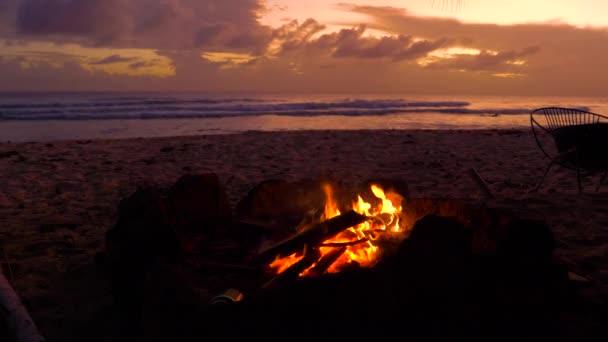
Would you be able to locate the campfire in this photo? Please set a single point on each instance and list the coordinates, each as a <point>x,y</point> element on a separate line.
<point>338,241</point>
<point>335,249</point>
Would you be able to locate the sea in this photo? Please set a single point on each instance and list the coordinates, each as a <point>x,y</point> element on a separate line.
<point>28,117</point>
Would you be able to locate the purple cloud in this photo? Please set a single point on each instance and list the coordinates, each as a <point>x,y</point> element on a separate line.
<point>157,24</point>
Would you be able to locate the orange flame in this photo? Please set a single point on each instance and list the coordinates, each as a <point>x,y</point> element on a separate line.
<point>282,264</point>
<point>363,249</point>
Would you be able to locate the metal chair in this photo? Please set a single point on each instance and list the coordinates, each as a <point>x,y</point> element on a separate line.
<point>581,139</point>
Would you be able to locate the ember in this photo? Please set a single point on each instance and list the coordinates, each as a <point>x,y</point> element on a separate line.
<point>358,244</point>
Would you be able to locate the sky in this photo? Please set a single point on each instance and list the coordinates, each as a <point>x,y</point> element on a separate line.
<point>516,47</point>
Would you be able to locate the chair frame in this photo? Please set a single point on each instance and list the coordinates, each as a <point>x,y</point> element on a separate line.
<point>559,117</point>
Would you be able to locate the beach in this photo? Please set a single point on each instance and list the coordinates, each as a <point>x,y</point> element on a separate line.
<point>58,198</point>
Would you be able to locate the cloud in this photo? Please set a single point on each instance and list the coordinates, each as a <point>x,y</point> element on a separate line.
<point>484,60</point>
<point>114,59</point>
<point>294,38</point>
<point>100,19</point>
<point>484,36</point>
<point>219,45</point>
<point>351,43</point>
<point>93,60</point>
<point>157,24</point>
<point>555,57</point>
<point>144,64</point>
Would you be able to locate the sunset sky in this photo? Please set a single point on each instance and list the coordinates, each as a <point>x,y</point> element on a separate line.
<point>519,47</point>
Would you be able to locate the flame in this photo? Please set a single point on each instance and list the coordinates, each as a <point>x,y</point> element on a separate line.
<point>282,264</point>
<point>362,248</point>
<point>331,207</point>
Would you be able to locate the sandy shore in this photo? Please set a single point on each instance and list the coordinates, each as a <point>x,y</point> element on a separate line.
<point>58,199</point>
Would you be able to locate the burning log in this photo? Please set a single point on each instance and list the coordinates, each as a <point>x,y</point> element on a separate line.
<point>312,236</point>
<point>311,255</point>
<point>344,244</point>
<point>327,260</point>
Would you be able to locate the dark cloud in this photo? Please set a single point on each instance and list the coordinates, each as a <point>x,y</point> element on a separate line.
<point>294,36</point>
<point>144,64</point>
<point>99,19</point>
<point>157,24</point>
<point>351,42</point>
<point>114,59</point>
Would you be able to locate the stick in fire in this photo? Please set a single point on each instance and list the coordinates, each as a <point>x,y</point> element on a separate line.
<point>312,236</point>
<point>311,255</point>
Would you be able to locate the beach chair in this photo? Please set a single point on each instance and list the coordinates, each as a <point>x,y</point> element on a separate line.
<point>580,137</point>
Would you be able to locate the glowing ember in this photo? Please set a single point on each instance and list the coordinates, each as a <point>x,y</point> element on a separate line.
<point>360,244</point>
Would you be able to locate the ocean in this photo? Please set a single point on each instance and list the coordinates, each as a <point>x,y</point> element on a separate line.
<point>69,116</point>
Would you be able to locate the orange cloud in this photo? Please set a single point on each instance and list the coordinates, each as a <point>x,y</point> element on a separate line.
<point>219,45</point>
<point>293,38</point>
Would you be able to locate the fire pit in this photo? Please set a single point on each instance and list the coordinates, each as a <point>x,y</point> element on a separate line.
<point>335,241</point>
<point>318,259</point>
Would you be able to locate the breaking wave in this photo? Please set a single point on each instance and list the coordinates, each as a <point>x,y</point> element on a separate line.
<point>75,108</point>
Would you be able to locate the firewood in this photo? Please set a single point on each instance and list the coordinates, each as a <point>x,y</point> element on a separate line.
<point>311,255</point>
<point>344,244</point>
<point>326,261</point>
<point>312,236</point>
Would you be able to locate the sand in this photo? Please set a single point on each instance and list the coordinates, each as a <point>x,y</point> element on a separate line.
<point>58,199</point>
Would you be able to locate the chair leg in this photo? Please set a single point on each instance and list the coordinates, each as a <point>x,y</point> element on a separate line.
<point>601,181</point>
<point>542,179</point>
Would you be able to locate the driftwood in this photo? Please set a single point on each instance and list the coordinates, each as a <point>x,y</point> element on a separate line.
<point>17,318</point>
<point>312,236</point>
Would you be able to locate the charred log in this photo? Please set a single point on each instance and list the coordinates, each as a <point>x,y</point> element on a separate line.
<point>312,236</point>
<point>327,260</point>
<point>344,244</point>
<point>311,255</point>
